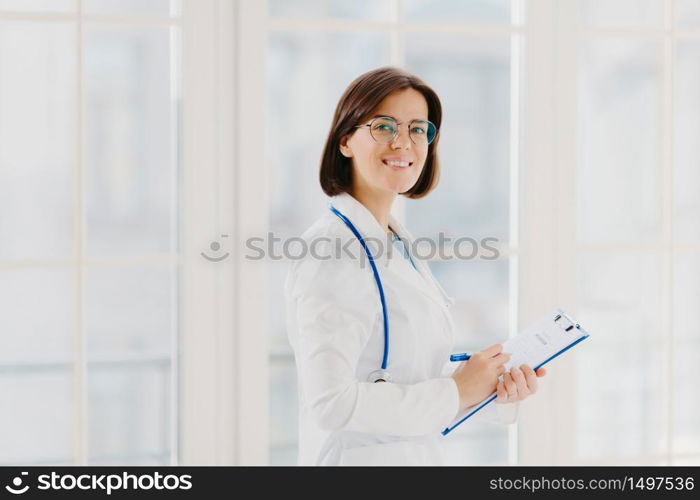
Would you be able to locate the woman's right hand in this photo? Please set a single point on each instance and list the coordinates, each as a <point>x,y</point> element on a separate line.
<point>477,378</point>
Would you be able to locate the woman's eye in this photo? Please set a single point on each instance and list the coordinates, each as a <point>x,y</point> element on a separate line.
<point>419,130</point>
<point>384,127</point>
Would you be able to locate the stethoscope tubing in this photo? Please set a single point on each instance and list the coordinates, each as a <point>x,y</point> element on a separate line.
<point>377,279</point>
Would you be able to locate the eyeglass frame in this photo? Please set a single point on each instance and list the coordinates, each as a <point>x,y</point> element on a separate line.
<point>397,129</point>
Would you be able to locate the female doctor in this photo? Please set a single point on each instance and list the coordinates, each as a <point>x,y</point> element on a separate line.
<point>369,324</point>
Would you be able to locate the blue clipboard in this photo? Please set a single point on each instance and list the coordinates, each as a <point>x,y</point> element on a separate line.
<point>558,328</point>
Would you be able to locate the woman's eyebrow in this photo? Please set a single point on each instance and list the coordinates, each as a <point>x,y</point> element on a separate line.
<point>396,120</point>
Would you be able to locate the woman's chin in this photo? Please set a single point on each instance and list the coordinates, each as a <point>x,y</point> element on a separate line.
<point>404,188</point>
<point>399,187</point>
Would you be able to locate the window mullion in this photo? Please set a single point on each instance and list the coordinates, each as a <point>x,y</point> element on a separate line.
<point>547,214</point>
<point>80,429</point>
<point>666,166</point>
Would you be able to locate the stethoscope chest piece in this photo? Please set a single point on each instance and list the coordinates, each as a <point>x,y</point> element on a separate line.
<point>379,376</point>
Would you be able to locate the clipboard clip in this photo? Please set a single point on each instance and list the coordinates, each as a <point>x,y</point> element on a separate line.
<point>565,323</point>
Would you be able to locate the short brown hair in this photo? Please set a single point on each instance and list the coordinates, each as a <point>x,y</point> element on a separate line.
<point>357,103</point>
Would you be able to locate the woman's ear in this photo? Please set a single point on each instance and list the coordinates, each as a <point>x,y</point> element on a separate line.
<point>345,150</point>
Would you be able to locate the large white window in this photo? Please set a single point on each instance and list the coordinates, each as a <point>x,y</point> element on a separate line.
<point>89,183</point>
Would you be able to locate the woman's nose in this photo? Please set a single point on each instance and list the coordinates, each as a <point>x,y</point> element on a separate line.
<point>402,139</point>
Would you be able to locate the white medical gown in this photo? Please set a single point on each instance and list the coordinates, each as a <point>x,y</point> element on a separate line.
<point>335,326</point>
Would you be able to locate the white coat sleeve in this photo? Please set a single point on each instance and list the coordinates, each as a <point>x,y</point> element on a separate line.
<point>498,413</point>
<point>336,306</point>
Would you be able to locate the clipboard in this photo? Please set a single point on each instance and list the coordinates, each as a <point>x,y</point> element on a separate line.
<point>535,346</point>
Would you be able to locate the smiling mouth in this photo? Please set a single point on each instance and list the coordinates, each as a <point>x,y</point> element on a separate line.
<point>397,164</point>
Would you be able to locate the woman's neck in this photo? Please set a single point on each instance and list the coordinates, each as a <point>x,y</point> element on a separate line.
<point>378,204</point>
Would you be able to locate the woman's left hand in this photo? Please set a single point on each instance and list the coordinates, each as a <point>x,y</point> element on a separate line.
<point>518,383</point>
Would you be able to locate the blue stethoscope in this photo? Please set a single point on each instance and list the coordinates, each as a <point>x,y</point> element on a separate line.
<point>381,375</point>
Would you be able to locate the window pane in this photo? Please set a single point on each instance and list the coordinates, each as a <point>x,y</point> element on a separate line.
<point>36,415</point>
<point>618,149</point>
<point>38,5</point>
<point>622,13</point>
<point>306,75</point>
<point>622,418</point>
<point>686,295</point>
<point>687,14</point>
<point>129,415</point>
<point>620,295</point>
<point>469,11</point>
<point>687,147</point>
<point>472,79</point>
<point>480,312</point>
<point>129,311</point>
<point>133,7</point>
<point>620,305</point>
<point>686,355</point>
<point>376,10</point>
<point>38,316</point>
<point>279,342</point>
<point>284,411</point>
<point>37,139</point>
<point>130,124</point>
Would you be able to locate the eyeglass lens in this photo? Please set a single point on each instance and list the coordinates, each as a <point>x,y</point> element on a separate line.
<point>384,129</point>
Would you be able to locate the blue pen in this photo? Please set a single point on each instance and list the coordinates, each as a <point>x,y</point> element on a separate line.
<point>463,356</point>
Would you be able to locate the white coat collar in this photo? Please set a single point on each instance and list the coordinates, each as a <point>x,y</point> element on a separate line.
<point>360,216</point>
<point>368,226</point>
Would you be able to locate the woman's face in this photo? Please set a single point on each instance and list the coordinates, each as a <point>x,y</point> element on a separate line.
<point>371,172</point>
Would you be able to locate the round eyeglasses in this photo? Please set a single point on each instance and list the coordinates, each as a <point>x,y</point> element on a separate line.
<point>384,129</point>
